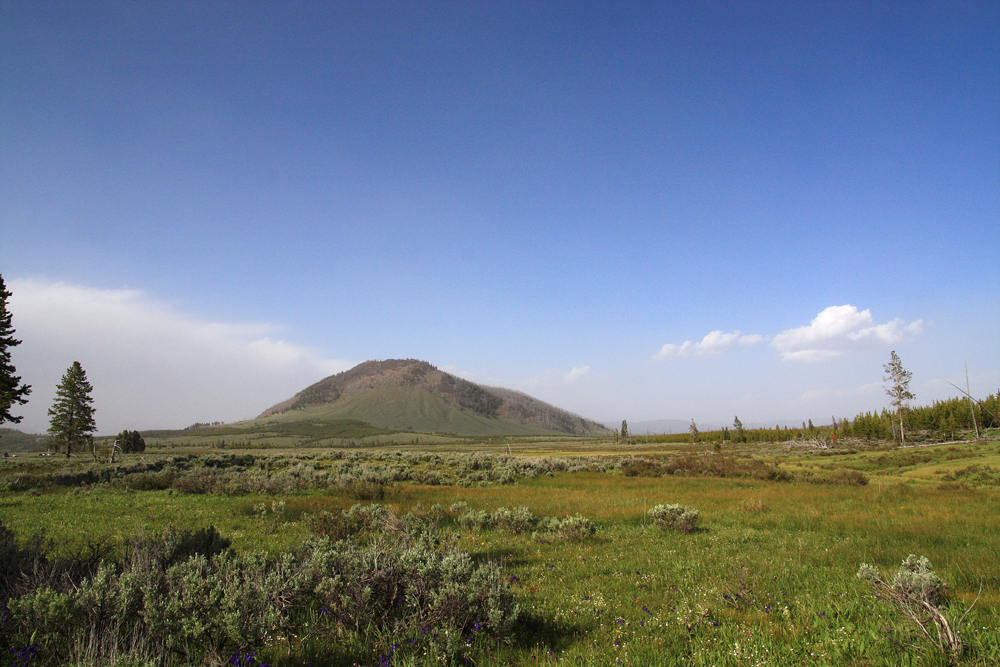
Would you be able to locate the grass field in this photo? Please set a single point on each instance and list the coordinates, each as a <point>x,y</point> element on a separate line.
<point>768,578</point>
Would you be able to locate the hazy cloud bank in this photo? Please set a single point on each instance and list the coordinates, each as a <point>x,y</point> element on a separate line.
<point>555,376</point>
<point>150,365</point>
<point>834,333</point>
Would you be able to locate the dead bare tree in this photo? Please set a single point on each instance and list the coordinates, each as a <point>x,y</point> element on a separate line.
<point>115,448</point>
<point>968,396</point>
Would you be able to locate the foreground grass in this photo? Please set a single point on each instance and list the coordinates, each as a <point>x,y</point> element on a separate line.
<point>768,579</point>
<point>774,585</point>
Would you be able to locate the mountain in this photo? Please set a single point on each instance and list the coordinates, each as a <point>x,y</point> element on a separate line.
<point>412,395</point>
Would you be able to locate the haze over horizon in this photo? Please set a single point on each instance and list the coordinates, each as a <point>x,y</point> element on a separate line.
<point>632,211</point>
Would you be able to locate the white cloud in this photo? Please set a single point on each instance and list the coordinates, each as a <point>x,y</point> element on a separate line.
<point>576,374</point>
<point>832,334</point>
<point>150,365</point>
<point>710,346</point>
<point>752,339</point>
<point>839,330</point>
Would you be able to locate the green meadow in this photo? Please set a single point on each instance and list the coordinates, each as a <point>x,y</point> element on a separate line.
<point>768,577</point>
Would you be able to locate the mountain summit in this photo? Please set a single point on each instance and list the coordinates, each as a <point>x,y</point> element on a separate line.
<point>412,395</point>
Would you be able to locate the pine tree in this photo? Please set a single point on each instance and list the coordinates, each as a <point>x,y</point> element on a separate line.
<point>131,442</point>
<point>624,432</point>
<point>897,386</point>
<point>72,416</point>
<point>10,392</point>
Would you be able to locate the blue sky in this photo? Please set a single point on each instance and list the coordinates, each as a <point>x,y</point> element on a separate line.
<point>631,210</point>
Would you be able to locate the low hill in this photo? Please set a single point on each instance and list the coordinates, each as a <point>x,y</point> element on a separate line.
<point>412,395</point>
<point>14,441</point>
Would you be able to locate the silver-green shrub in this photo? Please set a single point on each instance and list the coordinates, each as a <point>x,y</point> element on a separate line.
<point>919,593</point>
<point>573,528</point>
<point>475,520</point>
<point>517,520</point>
<point>356,523</point>
<point>400,590</point>
<point>576,528</point>
<point>674,517</point>
<point>914,584</point>
<point>188,600</point>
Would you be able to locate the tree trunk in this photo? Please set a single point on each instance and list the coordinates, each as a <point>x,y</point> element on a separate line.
<point>972,408</point>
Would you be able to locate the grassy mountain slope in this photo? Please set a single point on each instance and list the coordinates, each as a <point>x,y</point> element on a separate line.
<point>14,441</point>
<point>412,395</point>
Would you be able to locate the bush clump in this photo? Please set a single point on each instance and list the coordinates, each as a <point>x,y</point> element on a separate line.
<point>636,467</point>
<point>849,477</point>
<point>919,593</point>
<point>520,520</point>
<point>515,521</point>
<point>356,523</point>
<point>843,477</point>
<point>185,598</point>
<point>411,588</point>
<point>674,517</point>
<point>574,528</point>
<point>474,520</point>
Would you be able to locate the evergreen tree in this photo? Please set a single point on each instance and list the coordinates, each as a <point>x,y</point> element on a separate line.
<point>624,433</point>
<point>897,386</point>
<point>10,392</point>
<point>72,416</point>
<point>694,431</point>
<point>941,423</point>
<point>131,442</point>
<point>738,426</point>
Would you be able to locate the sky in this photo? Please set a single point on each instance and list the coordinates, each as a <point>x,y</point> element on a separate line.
<point>630,210</point>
